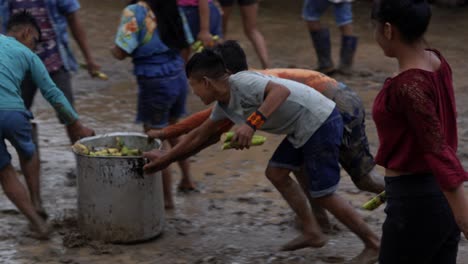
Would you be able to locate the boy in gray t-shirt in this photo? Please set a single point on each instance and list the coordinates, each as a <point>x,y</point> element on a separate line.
<point>309,120</point>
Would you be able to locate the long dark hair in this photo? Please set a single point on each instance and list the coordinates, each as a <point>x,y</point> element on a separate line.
<point>171,29</point>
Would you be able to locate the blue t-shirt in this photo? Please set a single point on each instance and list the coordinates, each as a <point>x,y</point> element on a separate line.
<point>16,60</point>
<point>138,35</point>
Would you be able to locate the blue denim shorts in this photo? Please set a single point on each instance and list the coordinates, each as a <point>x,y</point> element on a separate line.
<point>16,128</point>
<point>161,99</point>
<point>314,9</point>
<point>319,156</point>
<point>193,19</point>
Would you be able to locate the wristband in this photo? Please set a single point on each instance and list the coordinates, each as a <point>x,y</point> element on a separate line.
<point>256,120</point>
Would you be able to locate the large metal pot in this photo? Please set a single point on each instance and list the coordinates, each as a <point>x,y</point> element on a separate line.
<point>116,201</point>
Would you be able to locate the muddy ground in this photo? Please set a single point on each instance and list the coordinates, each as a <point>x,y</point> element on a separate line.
<point>237,217</point>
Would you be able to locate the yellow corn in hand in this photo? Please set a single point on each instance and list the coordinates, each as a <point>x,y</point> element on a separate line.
<point>375,202</point>
<point>257,140</point>
<point>197,46</point>
<point>96,74</point>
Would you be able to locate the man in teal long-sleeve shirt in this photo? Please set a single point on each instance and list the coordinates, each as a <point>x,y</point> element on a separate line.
<point>16,60</point>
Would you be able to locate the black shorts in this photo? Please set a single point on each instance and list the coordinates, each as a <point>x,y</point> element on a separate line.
<point>420,227</point>
<point>239,2</point>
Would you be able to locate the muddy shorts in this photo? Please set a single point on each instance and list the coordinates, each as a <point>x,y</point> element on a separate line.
<point>239,2</point>
<point>314,9</point>
<point>61,78</point>
<point>355,156</point>
<point>16,128</point>
<point>193,18</point>
<point>419,227</point>
<point>319,156</point>
<point>161,99</point>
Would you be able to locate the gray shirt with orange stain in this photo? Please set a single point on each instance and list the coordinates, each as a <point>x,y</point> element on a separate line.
<point>303,112</point>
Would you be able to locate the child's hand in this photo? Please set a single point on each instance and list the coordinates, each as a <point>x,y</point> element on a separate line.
<point>156,134</point>
<point>206,38</point>
<point>156,163</point>
<point>76,131</point>
<point>93,68</point>
<point>243,137</point>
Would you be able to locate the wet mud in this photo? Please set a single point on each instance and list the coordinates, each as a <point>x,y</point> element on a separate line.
<point>237,217</point>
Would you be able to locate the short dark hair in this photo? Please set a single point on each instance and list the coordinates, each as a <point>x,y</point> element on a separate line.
<point>206,63</point>
<point>411,17</point>
<point>233,56</point>
<point>23,18</point>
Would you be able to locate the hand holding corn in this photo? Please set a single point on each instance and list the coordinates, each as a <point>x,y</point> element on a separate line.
<point>226,138</point>
<point>95,73</point>
<point>198,46</point>
<point>375,202</point>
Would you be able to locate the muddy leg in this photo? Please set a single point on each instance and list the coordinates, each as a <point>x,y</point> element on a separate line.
<point>319,212</point>
<point>346,214</point>
<point>291,191</point>
<point>18,195</point>
<point>167,184</point>
<point>31,171</point>
<point>186,183</point>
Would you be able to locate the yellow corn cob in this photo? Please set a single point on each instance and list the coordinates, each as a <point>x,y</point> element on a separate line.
<point>375,202</point>
<point>197,46</point>
<point>226,137</point>
<point>96,74</point>
<point>256,141</point>
<point>80,149</point>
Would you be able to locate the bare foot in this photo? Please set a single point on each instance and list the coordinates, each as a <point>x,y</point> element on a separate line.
<point>367,256</point>
<point>187,187</point>
<point>325,225</point>
<point>41,212</point>
<point>41,231</point>
<point>303,241</point>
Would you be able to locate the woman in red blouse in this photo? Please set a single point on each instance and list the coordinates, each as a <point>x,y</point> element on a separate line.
<point>415,116</point>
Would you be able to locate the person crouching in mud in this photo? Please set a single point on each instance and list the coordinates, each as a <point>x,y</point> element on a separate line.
<point>313,127</point>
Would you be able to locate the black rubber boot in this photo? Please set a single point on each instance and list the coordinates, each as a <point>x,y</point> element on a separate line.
<point>348,48</point>
<point>322,44</point>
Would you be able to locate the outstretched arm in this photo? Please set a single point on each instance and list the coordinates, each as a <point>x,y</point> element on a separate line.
<point>190,143</point>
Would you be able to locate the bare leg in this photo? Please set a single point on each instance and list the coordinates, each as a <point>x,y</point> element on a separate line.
<point>314,25</point>
<point>341,209</point>
<point>318,211</point>
<point>31,171</point>
<point>347,30</point>
<point>18,195</point>
<point>249,20</point>
<point>227,10</point>
<point>167,184</point>
<point>186,183</point>
<point>291,191</point>
<point>166,179</point>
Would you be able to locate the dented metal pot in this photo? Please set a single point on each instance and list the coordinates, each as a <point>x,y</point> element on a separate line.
<point>117,202</point>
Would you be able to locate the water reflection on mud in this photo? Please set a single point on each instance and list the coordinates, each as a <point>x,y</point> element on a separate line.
<point>238,217</point>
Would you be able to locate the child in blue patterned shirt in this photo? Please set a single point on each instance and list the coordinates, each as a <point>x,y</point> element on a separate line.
<point>155,45</point>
